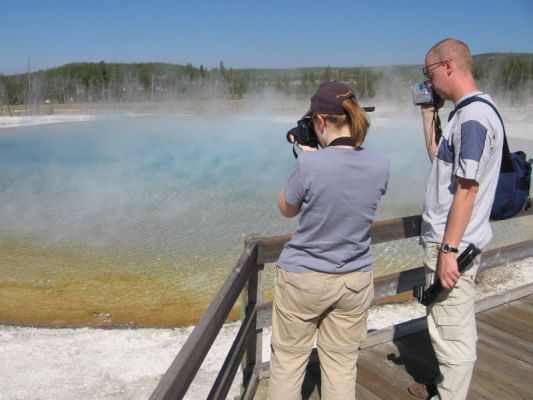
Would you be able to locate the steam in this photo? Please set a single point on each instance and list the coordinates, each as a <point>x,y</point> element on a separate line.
<point>160,182</point>
<point>180,185</point>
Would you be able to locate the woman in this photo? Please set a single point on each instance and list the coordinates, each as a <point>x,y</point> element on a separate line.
<point>324,282</point>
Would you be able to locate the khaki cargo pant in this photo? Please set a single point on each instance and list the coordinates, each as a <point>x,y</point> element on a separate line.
<point>332,307</point>
<point>452,328</point>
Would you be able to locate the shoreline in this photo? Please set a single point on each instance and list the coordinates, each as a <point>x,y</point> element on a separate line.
<point>517,119</point>
<point>48,113</point>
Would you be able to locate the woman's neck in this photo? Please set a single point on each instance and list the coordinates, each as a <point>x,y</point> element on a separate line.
<point>333,133</point>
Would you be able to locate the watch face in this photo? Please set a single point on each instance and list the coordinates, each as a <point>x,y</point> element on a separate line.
<point>446,248</point>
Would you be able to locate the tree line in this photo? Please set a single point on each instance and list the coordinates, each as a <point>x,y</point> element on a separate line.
<point>509,74</point>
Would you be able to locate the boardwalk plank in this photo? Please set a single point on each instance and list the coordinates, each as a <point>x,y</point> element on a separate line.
<point>527,300</point>
<point>505,377</point>
<point>382,359</point>
<point>525,309</point>
<point>521,315</point>
<point>506,324</point>
<point>516,371</point>
<point>375,383</point>
<point>483,387</point>
<point>517,347</point>
<point>363,393</point>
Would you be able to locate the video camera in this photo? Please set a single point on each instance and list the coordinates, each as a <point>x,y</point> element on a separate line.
<point>423,95</point>
<point>428,296</point>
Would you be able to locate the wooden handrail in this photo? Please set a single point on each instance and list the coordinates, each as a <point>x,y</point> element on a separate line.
<point>382,231</point>
<point>399,282</point>
<point>180,374</point>
<point>261,250</point>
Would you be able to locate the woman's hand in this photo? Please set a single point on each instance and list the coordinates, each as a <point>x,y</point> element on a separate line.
<point>287,210</point>
<point>302,147</point>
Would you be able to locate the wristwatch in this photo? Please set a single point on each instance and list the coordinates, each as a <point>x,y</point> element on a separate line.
<point>446,248</point>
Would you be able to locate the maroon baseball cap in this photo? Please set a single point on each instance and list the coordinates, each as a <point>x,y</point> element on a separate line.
<point>329,97</point>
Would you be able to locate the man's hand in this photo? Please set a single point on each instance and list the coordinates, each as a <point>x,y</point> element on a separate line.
<point>447,270</point>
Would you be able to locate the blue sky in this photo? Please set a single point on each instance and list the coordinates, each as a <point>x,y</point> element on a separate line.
<point>248,33</point>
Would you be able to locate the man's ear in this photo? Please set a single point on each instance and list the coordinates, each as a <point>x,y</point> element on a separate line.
<point>449,67</point>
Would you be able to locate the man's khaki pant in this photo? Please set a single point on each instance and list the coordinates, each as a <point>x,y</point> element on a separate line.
<point>332,306</point>
<point>452,328</point>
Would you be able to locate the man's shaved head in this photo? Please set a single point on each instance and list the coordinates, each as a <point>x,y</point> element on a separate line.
<point>455,50</point>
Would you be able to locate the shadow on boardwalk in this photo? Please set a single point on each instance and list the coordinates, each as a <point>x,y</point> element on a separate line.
<point>503,370</point>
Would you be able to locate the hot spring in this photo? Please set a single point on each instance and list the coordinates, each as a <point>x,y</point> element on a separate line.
<point>138,220</point>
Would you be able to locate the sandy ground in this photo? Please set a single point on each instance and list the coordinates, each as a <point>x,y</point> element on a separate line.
<point>518,121</point>
<point>16,121</point>
<point>89,363</point>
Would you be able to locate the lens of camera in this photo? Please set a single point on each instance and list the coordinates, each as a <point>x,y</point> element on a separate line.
<point>291,135</point>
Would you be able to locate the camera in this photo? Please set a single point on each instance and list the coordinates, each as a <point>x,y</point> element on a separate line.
<point>304,133</point>
<point>422,94</point>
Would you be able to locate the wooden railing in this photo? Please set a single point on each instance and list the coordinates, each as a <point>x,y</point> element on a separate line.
<point>246,279</point>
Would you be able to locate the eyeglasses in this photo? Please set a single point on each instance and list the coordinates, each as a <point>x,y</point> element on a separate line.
<point>427,71</point>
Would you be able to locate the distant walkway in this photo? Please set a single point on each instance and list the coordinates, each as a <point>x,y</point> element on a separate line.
<point>504,369</point>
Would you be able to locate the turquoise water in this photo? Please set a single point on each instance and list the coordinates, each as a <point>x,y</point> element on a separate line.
<point>166,184</point>
<point>139,217</point>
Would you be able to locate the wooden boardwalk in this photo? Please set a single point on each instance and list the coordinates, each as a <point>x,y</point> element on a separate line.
<point>504,369</point>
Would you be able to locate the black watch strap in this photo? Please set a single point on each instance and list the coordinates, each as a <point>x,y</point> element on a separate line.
<point>446,248</point>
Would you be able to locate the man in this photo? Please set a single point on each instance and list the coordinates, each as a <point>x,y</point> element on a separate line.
<point>465,168</point>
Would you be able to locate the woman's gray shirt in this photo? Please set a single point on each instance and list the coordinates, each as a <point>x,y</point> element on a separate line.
<point>338,189</point>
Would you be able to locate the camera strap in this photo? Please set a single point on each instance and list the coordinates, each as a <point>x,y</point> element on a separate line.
<point>437,125</point>
<point>341,141</point>
<point>294,150</point>
<point>507,164</point>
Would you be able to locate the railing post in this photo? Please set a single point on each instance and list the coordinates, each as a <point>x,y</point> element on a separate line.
<point>251,296</point>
